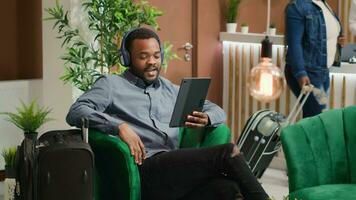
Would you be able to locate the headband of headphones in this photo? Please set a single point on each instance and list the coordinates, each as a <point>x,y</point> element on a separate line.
<point>125,54</point>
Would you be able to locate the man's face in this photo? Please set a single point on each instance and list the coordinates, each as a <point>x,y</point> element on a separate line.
<point>146,59</point>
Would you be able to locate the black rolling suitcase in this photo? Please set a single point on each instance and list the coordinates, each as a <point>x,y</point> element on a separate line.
<point>65,165</point>
<point>260,138</point>
<point>57,166</point>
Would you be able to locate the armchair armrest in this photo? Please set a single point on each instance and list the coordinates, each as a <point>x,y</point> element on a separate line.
<point>117,175</point>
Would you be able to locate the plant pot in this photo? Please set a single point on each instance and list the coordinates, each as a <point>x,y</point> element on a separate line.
<point>2,175</point>
<point>272,31</point>
<point>31,135</point>
<point>9,188</point>
<point>231,27</point>
<point>244,29</point>
<point>10,172</point>
<point>30,143</point>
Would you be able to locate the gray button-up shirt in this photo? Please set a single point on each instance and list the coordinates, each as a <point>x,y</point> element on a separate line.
<point>115,99</point>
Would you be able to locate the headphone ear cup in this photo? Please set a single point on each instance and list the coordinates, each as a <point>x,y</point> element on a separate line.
<point>121,59</point>
<point>124,54</point>
<point>124,58</point>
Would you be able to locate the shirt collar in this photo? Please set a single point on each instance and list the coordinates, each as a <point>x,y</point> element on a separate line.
<point>138,81</point>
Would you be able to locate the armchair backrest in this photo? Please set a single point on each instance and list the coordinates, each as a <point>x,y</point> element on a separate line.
<point>350,137</point>
<point>319,149</point>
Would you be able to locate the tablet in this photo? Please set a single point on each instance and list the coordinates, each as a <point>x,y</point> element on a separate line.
<point>191,97</point>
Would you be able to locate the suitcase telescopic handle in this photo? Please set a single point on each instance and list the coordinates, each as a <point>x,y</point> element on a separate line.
<point>85,129</point>
<point>302,98</point>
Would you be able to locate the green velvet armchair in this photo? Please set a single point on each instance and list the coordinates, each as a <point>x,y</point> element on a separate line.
<point>321,156</point>
<point>117,175</point>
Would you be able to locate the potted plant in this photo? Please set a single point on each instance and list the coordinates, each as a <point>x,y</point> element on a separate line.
<point>29,118</point>
<point>244,28</point>
<point>231,12</point>
<point>272,29</point>
<point>9,156</point>
<point>106,21</point>
<point>9,182</point>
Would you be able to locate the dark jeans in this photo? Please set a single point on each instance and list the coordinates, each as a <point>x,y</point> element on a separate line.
<point>311,106</point>
<point>204,173</point>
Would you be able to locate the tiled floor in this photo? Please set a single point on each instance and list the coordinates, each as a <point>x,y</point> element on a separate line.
<point>275,182</point>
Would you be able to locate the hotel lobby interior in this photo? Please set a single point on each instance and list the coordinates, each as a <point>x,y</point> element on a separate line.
<point>50,58</point>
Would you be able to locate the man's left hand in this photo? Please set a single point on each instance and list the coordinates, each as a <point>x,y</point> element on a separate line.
<point>197,120</point>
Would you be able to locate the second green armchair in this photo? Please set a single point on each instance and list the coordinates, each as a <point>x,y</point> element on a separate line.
<point>117,175</point>
<point>321,156</point>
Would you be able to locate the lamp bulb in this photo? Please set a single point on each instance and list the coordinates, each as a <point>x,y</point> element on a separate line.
<point>266,81</point>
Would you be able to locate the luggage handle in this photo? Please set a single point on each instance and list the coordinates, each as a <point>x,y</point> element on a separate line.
<point>85,129</point>
<point>302,98</point>
<point>270,153</point>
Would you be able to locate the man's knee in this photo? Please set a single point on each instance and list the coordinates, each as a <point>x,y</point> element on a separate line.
<point>235,152</point>
<point>231,149</point>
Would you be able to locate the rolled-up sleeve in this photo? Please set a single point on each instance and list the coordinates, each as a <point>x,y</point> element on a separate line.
<point>216,114</point>
<point>92,105</point>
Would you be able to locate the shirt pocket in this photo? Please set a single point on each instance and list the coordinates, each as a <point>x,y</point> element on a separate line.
<point>311,26</point>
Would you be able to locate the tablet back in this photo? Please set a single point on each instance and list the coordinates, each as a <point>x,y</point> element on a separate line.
<point>191,97</point>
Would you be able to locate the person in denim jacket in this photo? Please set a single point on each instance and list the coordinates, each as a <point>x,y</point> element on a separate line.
<point>313,33</point>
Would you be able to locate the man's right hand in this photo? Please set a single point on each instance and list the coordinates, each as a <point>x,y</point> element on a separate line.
<point>303,81</point>
<point>128,135</point>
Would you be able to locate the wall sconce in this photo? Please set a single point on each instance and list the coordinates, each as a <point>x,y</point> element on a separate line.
<point>266,80</point>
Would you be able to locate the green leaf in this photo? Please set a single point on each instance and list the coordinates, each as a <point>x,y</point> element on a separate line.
<point>168,54</point>
<point>28,117</point>
<point>9,155</point>
<point>232,10</point>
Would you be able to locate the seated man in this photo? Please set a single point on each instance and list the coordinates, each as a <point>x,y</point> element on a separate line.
<point>137,105</point>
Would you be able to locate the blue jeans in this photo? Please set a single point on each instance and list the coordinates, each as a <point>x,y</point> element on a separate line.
<point>311,106</point>
<point>208,173</point>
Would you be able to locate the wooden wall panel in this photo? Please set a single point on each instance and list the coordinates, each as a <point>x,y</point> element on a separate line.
<point>8,40</point>
<point>21,39</point>
<point>29,26</point>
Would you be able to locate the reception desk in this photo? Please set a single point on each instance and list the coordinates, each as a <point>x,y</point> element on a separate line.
<point>342,85</point>
<point>242,51</point>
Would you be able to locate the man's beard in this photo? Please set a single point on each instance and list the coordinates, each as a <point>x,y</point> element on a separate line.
<point>141,74</point>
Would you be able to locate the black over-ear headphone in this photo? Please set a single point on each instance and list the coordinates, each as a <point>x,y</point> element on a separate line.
<point>125,54</point>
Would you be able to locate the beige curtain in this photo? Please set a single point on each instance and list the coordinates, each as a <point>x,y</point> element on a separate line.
<point>344,10</point>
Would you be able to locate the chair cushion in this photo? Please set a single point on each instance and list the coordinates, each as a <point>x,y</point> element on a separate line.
<point>323,192</point>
